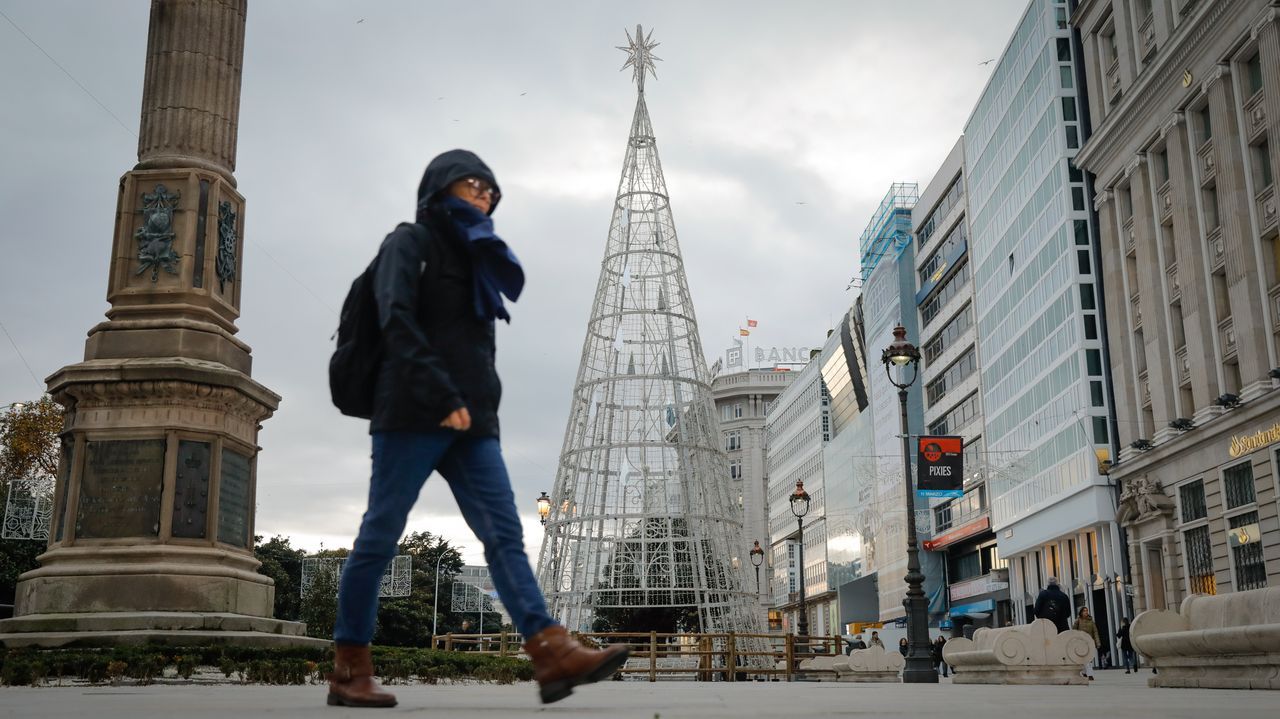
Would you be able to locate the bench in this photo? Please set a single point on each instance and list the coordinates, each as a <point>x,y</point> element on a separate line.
<point>1229,641</point>
<point>872,664</point>
<point>1034,653</point>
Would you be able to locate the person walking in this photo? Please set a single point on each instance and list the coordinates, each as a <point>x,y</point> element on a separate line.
<point>1126,647</point>
<point>903,647</point>
<point>939,664</point>
<point>875,640</point>
<point>1054,604</point>
<point>1085,623</point>
<point>436,287</point>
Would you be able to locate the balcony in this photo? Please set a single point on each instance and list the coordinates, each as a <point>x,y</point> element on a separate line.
<point>1175,290</point>
<point>1183,364</point>
<point>1208,164</point>
<point>1227,336</point>
<point>1267,208</point>
<point>1147,37</point>
<point>1255,115</point>
<point>1217,252</point>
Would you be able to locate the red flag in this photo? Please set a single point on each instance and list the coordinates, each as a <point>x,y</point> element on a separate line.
<point>752,323</point>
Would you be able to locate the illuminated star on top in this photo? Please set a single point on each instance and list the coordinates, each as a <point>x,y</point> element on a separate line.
<point>640,55</point>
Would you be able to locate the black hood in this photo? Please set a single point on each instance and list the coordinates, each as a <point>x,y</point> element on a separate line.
<point>449,167</point>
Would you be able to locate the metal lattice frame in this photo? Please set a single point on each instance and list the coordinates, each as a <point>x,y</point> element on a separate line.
<point>641,512</point>
<point>467,597</point>
<point>397,581</point>
<point>28,509</point>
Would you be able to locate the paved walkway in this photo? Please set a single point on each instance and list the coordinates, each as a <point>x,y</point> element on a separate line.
<point>1114,696</point>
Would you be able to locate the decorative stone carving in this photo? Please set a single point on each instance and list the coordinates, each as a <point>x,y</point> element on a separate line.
<point>872,664</point>
<point>155,237</point>
<point>825,665</point>
<point>1142,498</point>
<point>1034,653</point>
<point>227,240</point>
<point>1228,641</point>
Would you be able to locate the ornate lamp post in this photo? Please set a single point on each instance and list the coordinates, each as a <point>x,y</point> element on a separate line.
<point>919,668</point>
<point>800,507</point>
<point>544,507</point>
<point>757,558</point>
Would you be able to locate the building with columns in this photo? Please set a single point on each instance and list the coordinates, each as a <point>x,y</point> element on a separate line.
<point>1184,97</point>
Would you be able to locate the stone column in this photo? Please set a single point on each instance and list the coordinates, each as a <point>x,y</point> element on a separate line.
<point>1151,265</point>
<point>1138,578</point>
<point>1123,366</point>
<point>153,523</point>
<point>1172,585</point>
<point>1199,327</point>
<point>1248,323</point>
<point>191,90</point>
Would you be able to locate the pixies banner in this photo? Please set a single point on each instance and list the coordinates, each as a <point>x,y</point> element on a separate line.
<point>940,467</point>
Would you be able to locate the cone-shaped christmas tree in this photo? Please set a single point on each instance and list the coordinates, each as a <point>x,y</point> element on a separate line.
<point>642,530</point>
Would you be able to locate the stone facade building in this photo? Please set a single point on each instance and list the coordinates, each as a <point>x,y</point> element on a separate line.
<point>1184,97</point>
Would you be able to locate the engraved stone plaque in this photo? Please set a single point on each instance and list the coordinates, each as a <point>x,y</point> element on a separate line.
<point>191,490</point>
<point>120,489</point>
<point>233,499</point>
<point>68,454</point>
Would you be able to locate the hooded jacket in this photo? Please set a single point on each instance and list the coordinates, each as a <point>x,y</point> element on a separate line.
<point>437,356</point>
<point>1053,604</point>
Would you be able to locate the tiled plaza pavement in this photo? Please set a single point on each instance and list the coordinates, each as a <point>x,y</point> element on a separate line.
<point>1113,696</point>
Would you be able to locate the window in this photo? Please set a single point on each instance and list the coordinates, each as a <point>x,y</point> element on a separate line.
<point>1237,485</point>
<point>1262,175</point>
<point>949,200</point>
<point>1073,137</point>
<point>735,469</point>
<point>1082,260</point>
<point>1064,73</point>
<point>1064,50</point>
<point>936,264</point>
<point>1099,430</point>
<point>1251,571</point>
<point>1162,167</point>
<point>958,417</point>
<point>1095,394</point>
<point>1093,358</point>
<point>1073,173</point>
<point>737,410</point>
<point>1191,495</point>
<point>959,370</point>
<point>1087,301</point>
<point>1198,554</point>
<point>733,440</point>
<point>1090,327</point>
<point>1253,74</point>
<point>1077,199</point>
<point>942,517</point>
<point>1211,220</point>
<point>1081,228</point>
<point>943,295</point>
<point>947,337</point>
<point>1205,124</point>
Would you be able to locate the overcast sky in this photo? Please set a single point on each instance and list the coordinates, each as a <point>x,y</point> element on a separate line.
<point>758,107</point>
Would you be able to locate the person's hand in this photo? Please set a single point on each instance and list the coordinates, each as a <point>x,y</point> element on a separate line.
<point>459,419</point>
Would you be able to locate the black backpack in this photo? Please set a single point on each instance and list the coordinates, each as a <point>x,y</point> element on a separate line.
<point>353,368</point>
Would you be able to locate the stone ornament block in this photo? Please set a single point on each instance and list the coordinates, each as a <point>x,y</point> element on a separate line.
<point>1230,641</point>
<point>1034,653</point>
<point>821,667</point>
<point>872,664</point>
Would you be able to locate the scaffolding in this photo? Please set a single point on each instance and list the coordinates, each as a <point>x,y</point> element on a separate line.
<point>889,230</point>
<point>641,516</point>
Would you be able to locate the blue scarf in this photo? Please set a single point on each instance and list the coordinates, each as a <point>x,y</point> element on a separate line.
<point>494,267</point>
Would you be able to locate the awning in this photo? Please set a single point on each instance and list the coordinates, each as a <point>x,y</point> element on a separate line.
<point>986,606</point>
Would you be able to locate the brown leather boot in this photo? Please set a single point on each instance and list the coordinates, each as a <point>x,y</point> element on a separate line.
<point>561,663</point>
<point>352,684</point>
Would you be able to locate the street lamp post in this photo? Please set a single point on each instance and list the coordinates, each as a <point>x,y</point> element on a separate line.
<point>800,507</point>
<point>544,507</point>
<point>757,558</point>
<point>919,666</point>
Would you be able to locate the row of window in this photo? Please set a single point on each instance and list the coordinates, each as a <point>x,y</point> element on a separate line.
<point>957,372</point>
<point>940,298</point>
<point>948,335</point>
<point>958,417</point>
<point>959,512</point>
<point>936,262</point>
<point>1238,492</point>
<point>953,196</point>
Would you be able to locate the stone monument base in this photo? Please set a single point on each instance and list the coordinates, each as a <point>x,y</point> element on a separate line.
<point>185,629</point>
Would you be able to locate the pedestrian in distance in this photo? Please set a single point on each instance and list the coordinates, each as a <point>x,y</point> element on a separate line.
<point>1054,604</point>
<point>1085,623</point>
<point>415,356</point>
<point>875,640</point>
<point>903,647</point>
<point>939,665</point>
<point>1126,647</point>
<point>858,643</point>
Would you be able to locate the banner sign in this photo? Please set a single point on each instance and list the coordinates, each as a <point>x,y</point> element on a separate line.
<point>941,470</point>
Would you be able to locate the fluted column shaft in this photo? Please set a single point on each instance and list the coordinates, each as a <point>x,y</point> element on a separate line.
<point>191,90</point>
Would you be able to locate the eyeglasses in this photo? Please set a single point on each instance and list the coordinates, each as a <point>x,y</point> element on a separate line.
<point>480,187</point>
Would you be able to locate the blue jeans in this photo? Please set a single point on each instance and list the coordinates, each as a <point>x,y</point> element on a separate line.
<point>476,473</point>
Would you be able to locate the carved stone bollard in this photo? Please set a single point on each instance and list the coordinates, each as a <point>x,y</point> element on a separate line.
<point>1034,653</point>
<point>872,664</point>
